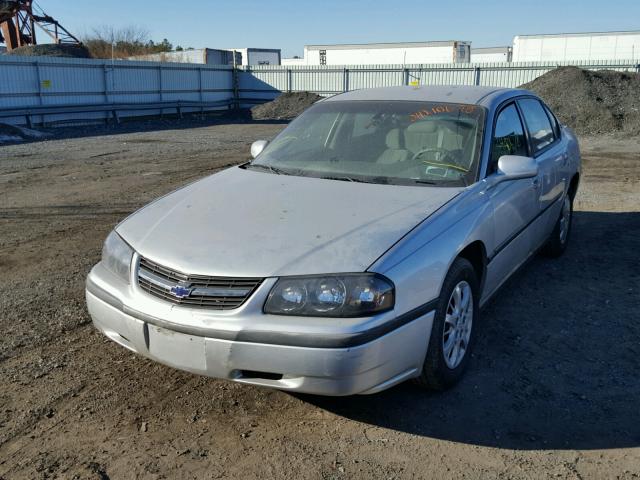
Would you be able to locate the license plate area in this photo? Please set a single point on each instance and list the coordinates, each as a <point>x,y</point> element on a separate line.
<point>177,349</point>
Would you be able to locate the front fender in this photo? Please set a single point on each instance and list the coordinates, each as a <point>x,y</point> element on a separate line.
<point>420,262</point>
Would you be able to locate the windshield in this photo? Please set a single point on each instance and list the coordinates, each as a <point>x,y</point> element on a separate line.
<point>395,142</point>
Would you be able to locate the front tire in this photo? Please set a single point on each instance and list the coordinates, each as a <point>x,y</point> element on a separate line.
<point>454,328</point>
<point>559,239</point>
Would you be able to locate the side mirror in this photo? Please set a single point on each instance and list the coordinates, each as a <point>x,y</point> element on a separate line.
<point>514,167</point>
<point>257,147</point>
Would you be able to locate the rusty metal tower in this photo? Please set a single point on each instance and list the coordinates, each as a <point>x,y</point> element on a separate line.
<point>18,22</point>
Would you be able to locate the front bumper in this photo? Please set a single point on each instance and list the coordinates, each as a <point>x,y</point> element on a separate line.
<point>224,345</point>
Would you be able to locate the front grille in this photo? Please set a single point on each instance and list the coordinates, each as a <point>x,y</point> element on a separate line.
<point>218,293</point>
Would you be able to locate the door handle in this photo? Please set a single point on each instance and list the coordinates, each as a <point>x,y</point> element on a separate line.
<point>562,158</point>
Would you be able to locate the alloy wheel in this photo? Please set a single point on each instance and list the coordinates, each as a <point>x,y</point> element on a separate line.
<point>565,219</point>
<point>457,325</point>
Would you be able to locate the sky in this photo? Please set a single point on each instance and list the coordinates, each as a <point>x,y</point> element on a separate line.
<point>290,25</point>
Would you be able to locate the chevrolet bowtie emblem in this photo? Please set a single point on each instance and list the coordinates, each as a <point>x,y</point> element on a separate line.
<point>182,290</point>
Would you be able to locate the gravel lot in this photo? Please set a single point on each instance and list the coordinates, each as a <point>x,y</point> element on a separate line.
<point>553,389</point>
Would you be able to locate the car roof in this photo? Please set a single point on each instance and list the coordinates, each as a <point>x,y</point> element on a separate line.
<point>467,94</point>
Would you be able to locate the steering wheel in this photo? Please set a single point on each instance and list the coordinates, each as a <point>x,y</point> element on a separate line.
<point>444,154</point>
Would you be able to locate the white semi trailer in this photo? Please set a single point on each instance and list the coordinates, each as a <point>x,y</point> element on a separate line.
<point>212,56</point>
<point>259,56</point>
<point>491,54</point>
<point>453,51</point>
<point>577,46</point>
<point>206,56</point>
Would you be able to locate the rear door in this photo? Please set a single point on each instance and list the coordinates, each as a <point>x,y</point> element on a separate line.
<point>515,202</point>
<point>549,153</point>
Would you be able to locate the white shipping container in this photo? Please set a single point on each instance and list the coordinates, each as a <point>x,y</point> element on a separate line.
<point>203,56</point>
<point>259,56</point>
<point>491,55</point>
<point>388,53</point>
<point>292,61</point>
<point>577,46</point>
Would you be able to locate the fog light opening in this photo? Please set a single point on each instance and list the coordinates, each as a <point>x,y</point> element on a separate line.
<point>252,374</point>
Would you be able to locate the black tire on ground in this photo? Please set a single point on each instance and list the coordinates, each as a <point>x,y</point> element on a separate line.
<point>436,374</point>
<point>557,243</point>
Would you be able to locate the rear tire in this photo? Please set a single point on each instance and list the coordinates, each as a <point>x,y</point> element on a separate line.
<point>559,239</point>
<point>454,329</point>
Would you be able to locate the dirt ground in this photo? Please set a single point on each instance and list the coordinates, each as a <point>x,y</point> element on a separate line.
<point>552,390</point>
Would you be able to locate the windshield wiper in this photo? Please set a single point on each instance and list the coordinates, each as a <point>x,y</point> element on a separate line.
<point>346,178</point>
<point>447,183</point>
<point>343,179</point>
<point>425,182</point>
<point>270,168</point>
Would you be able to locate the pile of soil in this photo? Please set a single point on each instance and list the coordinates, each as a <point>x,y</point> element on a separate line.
<point>286,107</point>
<point>592,102</point>
<point>52,50</point>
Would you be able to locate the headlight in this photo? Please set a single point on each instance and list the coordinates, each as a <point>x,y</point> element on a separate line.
<point>350,295</point>
<point>116,256</point>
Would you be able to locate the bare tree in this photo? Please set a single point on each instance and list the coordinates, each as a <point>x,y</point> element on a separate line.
<point>105,41</point>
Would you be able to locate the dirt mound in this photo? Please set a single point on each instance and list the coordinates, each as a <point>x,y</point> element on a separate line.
<point>286,107</point>
<point>592,102</point>
<point>52,50</point>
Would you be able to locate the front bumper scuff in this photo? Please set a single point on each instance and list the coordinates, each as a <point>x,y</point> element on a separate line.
<point>383,359</point>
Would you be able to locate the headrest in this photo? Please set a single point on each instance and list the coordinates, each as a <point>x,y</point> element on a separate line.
<point>424,126</point>
<point>393,139</point>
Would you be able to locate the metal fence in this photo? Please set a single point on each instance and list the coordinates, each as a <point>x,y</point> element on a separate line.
<point>266,82</point>
<point>45,89</point>
<point>38,83</point>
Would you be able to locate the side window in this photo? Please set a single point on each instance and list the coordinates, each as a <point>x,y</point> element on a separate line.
<point>508,137</point>
<point>538,124</point>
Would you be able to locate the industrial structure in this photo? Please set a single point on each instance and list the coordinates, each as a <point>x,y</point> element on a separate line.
<point>577,46</point>
<point>453,51</point>
<point>18,22</point>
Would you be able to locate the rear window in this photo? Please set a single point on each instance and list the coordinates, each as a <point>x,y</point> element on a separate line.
<point>538,124</point>
<point>554,121</point>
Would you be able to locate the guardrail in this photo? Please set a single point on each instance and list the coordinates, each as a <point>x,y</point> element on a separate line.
<point>112,109</point>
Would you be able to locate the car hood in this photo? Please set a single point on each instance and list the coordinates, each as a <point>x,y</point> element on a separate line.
<point>257,224</point>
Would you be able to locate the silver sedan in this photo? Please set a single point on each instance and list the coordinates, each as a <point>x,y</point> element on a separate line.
<point>354,252</point>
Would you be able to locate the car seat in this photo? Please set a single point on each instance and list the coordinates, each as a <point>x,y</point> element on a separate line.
<point>395,151</point>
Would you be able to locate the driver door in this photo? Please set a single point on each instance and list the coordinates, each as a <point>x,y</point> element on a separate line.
<point>515,202</point>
